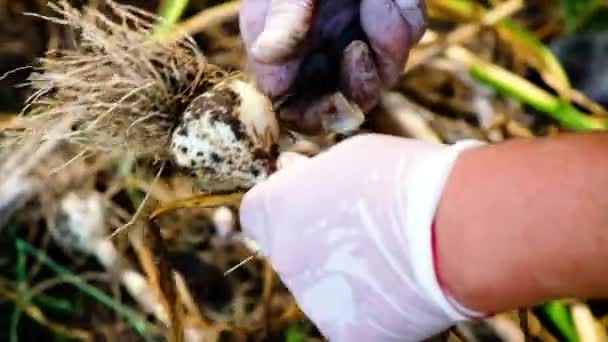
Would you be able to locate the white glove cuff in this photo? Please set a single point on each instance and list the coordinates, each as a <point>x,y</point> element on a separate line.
<point>425,184</point>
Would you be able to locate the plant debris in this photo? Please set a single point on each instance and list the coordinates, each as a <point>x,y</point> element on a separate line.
<point>124,90</point>
<point>122,175</point>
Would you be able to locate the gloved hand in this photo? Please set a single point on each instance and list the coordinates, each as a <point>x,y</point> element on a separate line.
<point>278,34</point>
<point>349,233</point>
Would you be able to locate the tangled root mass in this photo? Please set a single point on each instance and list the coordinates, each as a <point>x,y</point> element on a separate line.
<point>123,89</point>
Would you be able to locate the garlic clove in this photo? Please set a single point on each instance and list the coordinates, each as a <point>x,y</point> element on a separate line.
<point>256,111</point>
<point>345,119</point>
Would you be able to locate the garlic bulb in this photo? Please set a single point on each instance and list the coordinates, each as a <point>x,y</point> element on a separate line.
<point>227,138</point>
<point>80,226</point>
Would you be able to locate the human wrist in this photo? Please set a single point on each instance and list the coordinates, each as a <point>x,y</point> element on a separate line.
<point>492,230</point>
<point>425,183</point>
<point>450,267</point>
<point>482,238</point>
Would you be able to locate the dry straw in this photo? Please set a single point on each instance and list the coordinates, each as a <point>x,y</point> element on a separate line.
<point>124,90</point>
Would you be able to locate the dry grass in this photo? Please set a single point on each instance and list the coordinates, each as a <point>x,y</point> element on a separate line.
<point>123,89</point>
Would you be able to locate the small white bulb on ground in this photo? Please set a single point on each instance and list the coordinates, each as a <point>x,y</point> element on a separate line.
<point>81,226</point>
<point>138,287</point>
<point>227,138</point>
<point>224,222</point>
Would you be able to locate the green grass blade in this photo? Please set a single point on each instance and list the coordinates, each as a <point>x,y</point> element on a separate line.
<point>21,292</point>
<point>133,318</point>
<point>458,9</point>
<point>559,314</point>
<point>171,11</point>
<point>59,304</point>
<point>577,13</point>
<point>15,318</point>
<point>537,54</point>
<point>297,333</point>
<point>521,89</point>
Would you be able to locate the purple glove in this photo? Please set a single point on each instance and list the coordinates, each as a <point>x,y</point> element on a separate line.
<point>349,233</point>
<point>278,34</point>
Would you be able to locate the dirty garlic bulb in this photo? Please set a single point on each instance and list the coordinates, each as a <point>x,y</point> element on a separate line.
<point>227,138</point>
<point>80,226</point>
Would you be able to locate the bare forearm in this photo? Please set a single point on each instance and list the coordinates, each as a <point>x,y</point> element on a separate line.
<point>526,221</point>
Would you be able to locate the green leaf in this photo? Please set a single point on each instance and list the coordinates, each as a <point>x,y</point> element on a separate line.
<point>530,48</point>
<point>133,318</point>
<point>523,90</point>
<point>171,11</point>
<point>59,304</point>
<point>578,14</point>
<point>559,314</point>
<point>297,333</point>
<point>534,51</point>
<point>21,291</point>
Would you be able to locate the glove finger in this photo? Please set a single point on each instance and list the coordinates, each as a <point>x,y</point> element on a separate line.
<point>414,14</point>
<point>272,79</point>
<point>258,203</point>
<point>279,211</point>
<point>389,38</point>
<point>253,215</point>
<point>288,23</point>
<point>359,77</point>
<point>290,159</point>
<point>252,16</point>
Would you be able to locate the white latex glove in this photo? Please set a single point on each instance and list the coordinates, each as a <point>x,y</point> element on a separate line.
<point>349,233</point>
